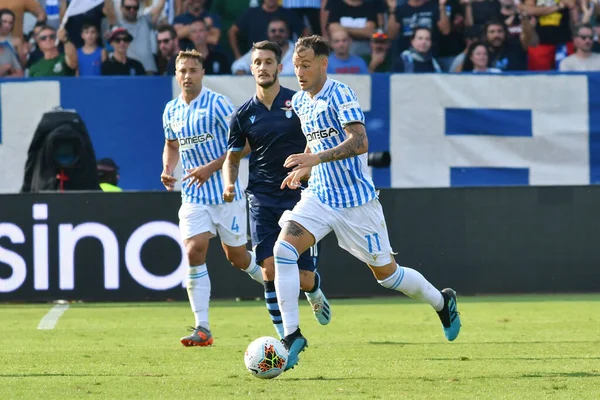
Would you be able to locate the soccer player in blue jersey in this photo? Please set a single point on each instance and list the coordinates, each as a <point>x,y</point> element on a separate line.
<point>340,197</point>
<point>195,125</point>
<point>267,123</point>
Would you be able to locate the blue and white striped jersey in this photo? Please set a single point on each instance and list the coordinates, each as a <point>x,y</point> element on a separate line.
<point>201,128</point>
<point>343,183</point>
<point>302,3</point>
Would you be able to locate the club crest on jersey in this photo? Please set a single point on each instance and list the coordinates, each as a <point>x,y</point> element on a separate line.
<point>177,126</point>
<point>322,134</point>
<point>287,109</point>
<point>199,114</point>
<point>188,143</point>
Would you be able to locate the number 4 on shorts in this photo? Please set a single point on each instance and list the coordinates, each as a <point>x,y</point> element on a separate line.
<point>234,226</point>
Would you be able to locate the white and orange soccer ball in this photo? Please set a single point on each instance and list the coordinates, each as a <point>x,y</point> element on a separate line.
<point>266,357</point>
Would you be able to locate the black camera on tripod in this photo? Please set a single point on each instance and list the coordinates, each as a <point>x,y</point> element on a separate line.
<point>60,156</point>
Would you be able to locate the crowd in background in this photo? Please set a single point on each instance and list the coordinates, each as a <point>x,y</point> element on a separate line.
<point>143,37</point>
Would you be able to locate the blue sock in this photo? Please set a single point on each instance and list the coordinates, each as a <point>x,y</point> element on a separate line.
<point>273,307</point>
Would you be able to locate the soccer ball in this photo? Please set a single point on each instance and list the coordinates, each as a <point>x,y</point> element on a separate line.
<point>266,357</point>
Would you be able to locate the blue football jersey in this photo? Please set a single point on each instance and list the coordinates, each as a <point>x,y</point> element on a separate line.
<point>201,131</point>
<point>342,183</point>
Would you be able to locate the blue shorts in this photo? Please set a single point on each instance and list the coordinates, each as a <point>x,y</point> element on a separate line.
<point>264,229</point>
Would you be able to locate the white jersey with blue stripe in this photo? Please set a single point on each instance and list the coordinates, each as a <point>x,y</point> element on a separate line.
<point>201,129</point>
<point>342,183</point>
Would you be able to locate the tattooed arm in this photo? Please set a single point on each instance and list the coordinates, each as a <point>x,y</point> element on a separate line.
<point>355,144</point>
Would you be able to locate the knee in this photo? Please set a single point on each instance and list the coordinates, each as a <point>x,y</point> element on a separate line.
<point>285,254</point>
<point>196,253</point>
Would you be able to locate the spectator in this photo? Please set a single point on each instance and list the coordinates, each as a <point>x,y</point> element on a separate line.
<point>460,16</point>
<point>10,67</point>
<point>95,16</point>
<point>418,58</point>
<point>417,14</point>
<point>476,59</point>
<point>511,15</point>
<point>554,33</point>
<point>485,10</point>
<point>358,18</point>
<point>108,175</point>
<point>279,33</point>
<point>54,9</point>
<point>341,61</point>
<point>380,59</point>
<point>7,25</point>
<point>168,48</point>
<point>253,24</point>
<point>18,8</point>
<point>118,63</point>
<point>90,56</point>
<point>583,59</point>
<point>215,62</point>
<point>54,62</point>
<point>506,53</point>
<point>472,34</point>
<point>141,28</point>
<point>198,10</point>
<point>307,10</point>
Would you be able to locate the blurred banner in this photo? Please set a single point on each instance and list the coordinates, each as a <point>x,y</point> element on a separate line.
<point>126,246</point>
<point>442,130</point>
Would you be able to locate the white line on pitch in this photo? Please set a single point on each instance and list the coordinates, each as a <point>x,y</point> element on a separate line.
<point>49,321</point>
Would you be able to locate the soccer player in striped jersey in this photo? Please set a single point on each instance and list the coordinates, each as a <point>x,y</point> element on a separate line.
<point>195,125</point>
<point>340,197</point>
<point>273,131</point>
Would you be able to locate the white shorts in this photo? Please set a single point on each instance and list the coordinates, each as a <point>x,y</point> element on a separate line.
<point>228,219</point>
<point>359,230</point>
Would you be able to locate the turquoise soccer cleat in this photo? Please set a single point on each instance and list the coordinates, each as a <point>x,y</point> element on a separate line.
<point>295,343</point>
<point>449,315</point>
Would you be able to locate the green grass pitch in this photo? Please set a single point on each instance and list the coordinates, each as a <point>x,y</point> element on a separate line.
<point>525,347</point>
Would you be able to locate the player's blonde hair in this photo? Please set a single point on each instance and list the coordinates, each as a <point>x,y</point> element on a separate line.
<point>190,54</point>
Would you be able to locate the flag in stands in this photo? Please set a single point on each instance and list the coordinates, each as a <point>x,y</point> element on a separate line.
<point>77,7</point>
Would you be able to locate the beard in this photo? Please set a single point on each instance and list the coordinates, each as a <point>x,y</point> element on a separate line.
<point>268,84</point>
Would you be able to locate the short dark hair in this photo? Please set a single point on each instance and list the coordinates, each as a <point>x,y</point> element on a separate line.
<point>87,25</point>
<point>579,27</point>
<point>315,42</point>
<point>268,45</point>
<point>167,28</point>
<point>417,29</point>
<point>190,54</point>
<point>9,12</point>
<point>279,19</point>
<point>495,21</point>
<point>46,28</point>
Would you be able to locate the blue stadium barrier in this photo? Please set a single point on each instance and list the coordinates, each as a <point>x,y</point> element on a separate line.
<point>442,130</point>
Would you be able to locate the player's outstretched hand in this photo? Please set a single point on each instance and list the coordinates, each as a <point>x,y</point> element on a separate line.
<point>168,180</point>
<point>302,160</point>
<point>229,193</point>
<point>293,179</point>
<point>197,175</point>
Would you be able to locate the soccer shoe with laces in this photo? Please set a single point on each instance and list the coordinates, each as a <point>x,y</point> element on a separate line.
<point>200,337</point>
<point>449,315</point>
<point>294,343</point>
<point>321,308</point>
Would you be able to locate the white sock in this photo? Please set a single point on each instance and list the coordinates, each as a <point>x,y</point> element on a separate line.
<point>415,286</point>
<point>287,284</point>
<point>254,269</point>
<point>198,288</point>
